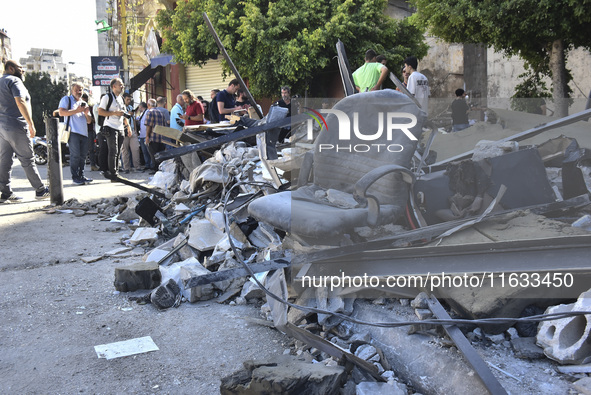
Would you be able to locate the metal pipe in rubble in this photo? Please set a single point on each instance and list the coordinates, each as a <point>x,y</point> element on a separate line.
<point>54,161</point>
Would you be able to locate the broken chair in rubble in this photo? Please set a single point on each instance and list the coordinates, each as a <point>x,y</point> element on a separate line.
<point>358,174</point>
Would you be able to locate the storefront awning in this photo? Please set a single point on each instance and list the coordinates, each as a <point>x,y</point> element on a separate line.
<point>142,77</point>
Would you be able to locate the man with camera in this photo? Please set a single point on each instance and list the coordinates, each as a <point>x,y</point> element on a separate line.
<point>76,113</point>
<point>114,126</point>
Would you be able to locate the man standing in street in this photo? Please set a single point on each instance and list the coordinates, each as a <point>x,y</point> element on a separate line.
<point>176,121</point>
<point>459,111</point>
<point>371,75</point>
<point>114,125</point>
<point>131,144</point>
<point>16,131</point>
<point>418,84</point>
<point>76,113</point>
<point>153,118</point>
<point>225,100</point>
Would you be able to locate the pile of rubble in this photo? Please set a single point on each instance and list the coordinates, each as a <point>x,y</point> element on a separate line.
<point>197,240</point>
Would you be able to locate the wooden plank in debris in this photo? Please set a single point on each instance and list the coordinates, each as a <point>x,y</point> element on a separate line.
<point>248,132</point>
<point>472,357</point>
<point>580,116</point>
<point>235,273</point>
<point>175,134</point>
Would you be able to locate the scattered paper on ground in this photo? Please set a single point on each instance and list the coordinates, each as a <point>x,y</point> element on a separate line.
<point>125,348</point>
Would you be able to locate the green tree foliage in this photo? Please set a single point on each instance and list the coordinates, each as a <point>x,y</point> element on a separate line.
<point>541,32</point>
<point>287,43</point>
<point>45,96</point>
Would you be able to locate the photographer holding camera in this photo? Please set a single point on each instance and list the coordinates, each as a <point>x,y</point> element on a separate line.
<point>114,125</point>
<point>76,113</point>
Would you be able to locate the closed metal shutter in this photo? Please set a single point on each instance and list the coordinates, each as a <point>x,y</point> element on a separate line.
<point>202,80</point>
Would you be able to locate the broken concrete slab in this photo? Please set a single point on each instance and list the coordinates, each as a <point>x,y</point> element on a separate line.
<point>284,375</point>
<point>91,259</point>
<point>567,340</point>
<point>142,235</point>
<point>203,236</point>
<point>250,291</point>
<point>200,292</point>
<point>142,275</point>
<point>373,388</point>
<point>526,348</point>
<point>583,385</point>
<point>490,149</point>
<point>118,251</point>
<point>415,359</point>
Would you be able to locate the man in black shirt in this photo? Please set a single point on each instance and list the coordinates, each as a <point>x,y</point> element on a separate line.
<point>225,100</point>
<point>459,111</point>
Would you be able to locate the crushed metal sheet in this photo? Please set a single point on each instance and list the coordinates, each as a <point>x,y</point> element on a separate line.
<point>126,348</point>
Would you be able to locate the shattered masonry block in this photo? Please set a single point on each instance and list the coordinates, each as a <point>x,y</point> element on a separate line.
<point>201,292</point>
<point>341,199</point>
<point>144,234</point>
<point>250,290</point>
<point>284,375</point>
<point>203,236</point>
<point>215,217</point>
<point>142,275</point>
<point>490,149</point>
<point>567,340</point>
<point>374,388</point>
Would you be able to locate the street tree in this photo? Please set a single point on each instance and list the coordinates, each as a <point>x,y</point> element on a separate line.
<point>287,43</point>
<point>541,32</point>
<point>45,96</point>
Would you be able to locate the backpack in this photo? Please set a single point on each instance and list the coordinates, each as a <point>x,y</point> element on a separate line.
<point>101,118</point>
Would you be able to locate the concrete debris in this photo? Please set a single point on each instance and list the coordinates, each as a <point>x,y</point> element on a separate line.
<point>141,275</point>
<point>251,291</point>
<point>366,352</point>
<point>203,235</point>
<point>567,340</point>
<point>373,388</point>
<point>526,348</point>
<point>490,149</point>
<point>284,375</point>
<point>166,295</point>
<point>583,385</point>
<point>201,292</point>
<point>144,235</point>
<point>420,302</point>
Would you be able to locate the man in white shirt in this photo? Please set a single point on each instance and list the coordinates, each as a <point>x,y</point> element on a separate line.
<point>418,84</point>
<point>114,125</point>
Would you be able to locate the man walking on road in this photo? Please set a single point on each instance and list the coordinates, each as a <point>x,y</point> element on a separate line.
<point>76,113</point>
<point>16,131</point>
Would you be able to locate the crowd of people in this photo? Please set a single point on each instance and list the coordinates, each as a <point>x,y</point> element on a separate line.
<point>125,133</point>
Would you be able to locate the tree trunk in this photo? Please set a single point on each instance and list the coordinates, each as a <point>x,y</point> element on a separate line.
<point>559,83</point>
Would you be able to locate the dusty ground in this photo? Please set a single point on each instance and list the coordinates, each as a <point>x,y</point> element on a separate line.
<point>55,308</point>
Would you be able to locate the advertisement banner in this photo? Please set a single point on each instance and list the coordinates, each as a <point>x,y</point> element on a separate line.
<point>105,68</point>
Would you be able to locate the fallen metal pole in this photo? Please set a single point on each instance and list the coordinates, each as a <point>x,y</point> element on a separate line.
<point>580,116</point>
<point>54,161</point>
<point>234,273</point>
<point>403,89</point>
<point>252,131</point>
<point>472,357</point>
<point>231,64</point>
<point>141,187</point>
